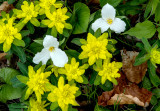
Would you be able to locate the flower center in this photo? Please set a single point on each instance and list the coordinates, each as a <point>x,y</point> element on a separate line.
<point>7,33</point>
<point>109,21</point>
<point>51,49</point>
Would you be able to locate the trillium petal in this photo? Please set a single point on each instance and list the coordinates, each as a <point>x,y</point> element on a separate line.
<point>50,41</point>
<point>42,56</point>
<point>118,25</point>
<point>108,12</point>
<point>59,57</point>
<point>100,23</point>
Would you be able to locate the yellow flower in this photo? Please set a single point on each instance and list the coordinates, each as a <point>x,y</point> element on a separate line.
<point>29,12</point>
<point>7,34</point>
<point>95,48</point>
<point>110,71</point>
<point>57,19</point>
<point>47,4</point>
<point>63,94</point>
<point>37,106</point>
<point>37,83</point>
<point>73,71</point>
<point>155,56</point>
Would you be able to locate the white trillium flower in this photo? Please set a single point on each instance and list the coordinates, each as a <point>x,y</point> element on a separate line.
<point>109,20</point>
<point>52,51</point>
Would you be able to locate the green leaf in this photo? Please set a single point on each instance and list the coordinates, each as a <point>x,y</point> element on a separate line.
<point>107,86</point>
<point>11,1</point>
<point>80,18</point>
<point>19,52</point>
<point>97,80</point>
<point>139,61</point>
<point>93,77</point>
<point>7,74</point>
<point>23,79</point>
<point>35,22</point>
<point>25,33</point>
<point>30,28</point>
<point>76,41</point>
<point>17,106</point>
<point>85,80</point>
<point>16,83</point>
<point>72,53</point>
<point>70,108</point>
<point>35,47</point>
<point>97,33</point>
<point>156,92</point>
<point>23,68</point>
<point>153,100</point>
<point>151,7</point>
<point>39,41</point>
<point>157,13</point>
<point>158,108</point>
<point>18,42</point>
<point>54,31</point>
<point>145,29</point>
<point>7,92</point>
<point>146,83</point>
<point>98,108</point>
<point>147,46</point>
<point>158,29</point>
<point>155,80</point>
<point>114,3</point>
<point>54,105</point>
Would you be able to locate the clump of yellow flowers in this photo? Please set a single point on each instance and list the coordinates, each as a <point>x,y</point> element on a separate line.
<point>57,19</point>
<point>110,71</point>
<point>64,94</point>
<point>73,71</point>
<point>37,82</point>
<point>155,56</point>
<point>8,34</point>
<point>47,4</point>
<point>29,12</point>
<point>37,106</point>
<point>95,48</point>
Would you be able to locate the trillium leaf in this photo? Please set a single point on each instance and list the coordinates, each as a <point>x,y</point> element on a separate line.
<point>145,29</point>
<point>80,18</point>
<point>7,91</point>
<point>114,3</point>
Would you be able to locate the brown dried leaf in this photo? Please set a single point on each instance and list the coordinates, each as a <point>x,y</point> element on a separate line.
<point>94,2</point>
<point>125,93</point>
<point>133,73</point>
<point>2,56</point>
<point>6,7</point>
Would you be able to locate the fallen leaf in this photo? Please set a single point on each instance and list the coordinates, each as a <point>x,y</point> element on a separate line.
<point>125,93</point>
<point>133,73</point>
<point>2,56</point>
<point>5,7</point>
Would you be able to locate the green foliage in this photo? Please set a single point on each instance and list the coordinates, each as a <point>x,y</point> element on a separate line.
<point>80,18</point>
<point>145,29</point>
<point>7,91</point>
<point>111,2</point>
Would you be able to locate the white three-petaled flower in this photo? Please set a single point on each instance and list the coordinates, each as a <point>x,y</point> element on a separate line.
<point>108,20</point>
<point>52,51</point>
